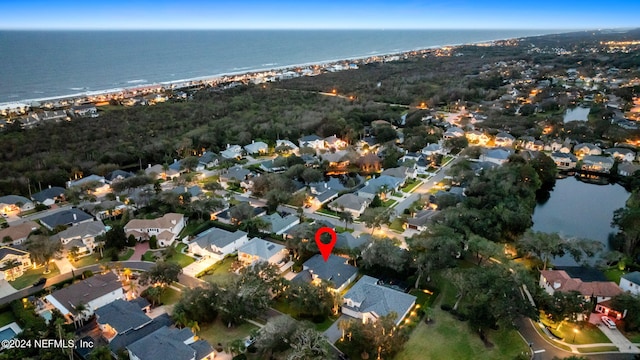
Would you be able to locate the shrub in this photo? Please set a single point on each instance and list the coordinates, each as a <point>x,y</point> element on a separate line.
<point>87,274</point>
<point>445,307</point>
<point>240,357</point>
<point>153,242</point>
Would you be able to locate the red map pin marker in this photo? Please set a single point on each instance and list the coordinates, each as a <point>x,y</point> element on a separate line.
<point>325,249</point>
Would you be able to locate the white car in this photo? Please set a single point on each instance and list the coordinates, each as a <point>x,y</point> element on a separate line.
<point>608,322</point>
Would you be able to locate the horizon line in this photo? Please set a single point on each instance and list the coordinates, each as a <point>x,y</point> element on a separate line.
<point>321,29</point>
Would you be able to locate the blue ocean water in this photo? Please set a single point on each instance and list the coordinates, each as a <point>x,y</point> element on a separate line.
<point>41,64</point>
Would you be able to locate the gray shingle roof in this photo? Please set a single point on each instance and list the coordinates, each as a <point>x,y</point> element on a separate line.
<point>349,201</point>
<point>92,228</point>
<point>162,344</point>
<point>379,299</point>
<point>50,193</point>
<point>87,290</point>
<point>13,199</point>
<point>65,217</point>
<point>278,223</point>
<point>218,237</point>
<point>346,240</point>
<point>123,340</point>
<point>122,316</point>
<point>261,248</point>
<point>634,277</point>
<point>335,269</point>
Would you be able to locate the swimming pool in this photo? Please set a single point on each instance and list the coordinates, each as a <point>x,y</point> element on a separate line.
<point>47,315</point>
<point>7,334</point>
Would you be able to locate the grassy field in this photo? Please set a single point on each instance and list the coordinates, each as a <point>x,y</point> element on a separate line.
<point>95,258</point>
<point>181,259</point>
<point>216,332</point>
<point>32,275</point>
<point>448,338</point>
<point>6,318</point>
<point>170,296</point>
<point>220,273</point>
<point>396,225</point>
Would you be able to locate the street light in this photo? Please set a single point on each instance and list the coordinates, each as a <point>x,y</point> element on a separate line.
<point>575,332</point>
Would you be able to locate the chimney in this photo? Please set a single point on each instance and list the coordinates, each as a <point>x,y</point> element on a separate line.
<point>75,217</point>
<point>253,141</point>
<point>148,166</point>
<point>49,186</point>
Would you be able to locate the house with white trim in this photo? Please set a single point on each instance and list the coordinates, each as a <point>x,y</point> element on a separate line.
<point>165,228</point>
<point>217,243</point>
<point>367,300</point>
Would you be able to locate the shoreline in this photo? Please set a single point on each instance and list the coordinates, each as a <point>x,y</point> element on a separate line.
<point>200,80</point>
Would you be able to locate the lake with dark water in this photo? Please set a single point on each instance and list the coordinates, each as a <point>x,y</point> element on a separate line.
<point>578,209</point>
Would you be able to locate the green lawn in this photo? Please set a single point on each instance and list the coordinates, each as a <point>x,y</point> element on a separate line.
<point>181,246</point>
<point>6,318</point>
<point>614,274</point>
<point>126,255</point>
<point>634,337</point>
<point>94,258</point>
<point>389,203</point>
<point>170,296</point>
<point>150,256</point>
<point>340,229</point>
<point>32,275</point>
<point>448,338</point>
<point>216,332</point>
<point>587,333</point>
<point>181,259</point>
<point>411,185</point>
<point>396,225</point>
<point>328,212</point>
<point>597,349</point>
<point>220,273</point>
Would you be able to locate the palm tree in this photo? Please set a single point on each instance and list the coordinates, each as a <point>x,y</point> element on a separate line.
<point>132,287</point>
<point>236,347</point>
<point>81,310</point>
<point>195,328</point>
<point>300,212</point>
<point>9,266</point>
<point>347,217</point>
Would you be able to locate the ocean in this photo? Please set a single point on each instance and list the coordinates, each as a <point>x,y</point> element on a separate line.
<point>44,64</point>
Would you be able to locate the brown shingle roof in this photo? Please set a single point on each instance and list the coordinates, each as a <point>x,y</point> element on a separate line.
<point>567,283</point>
<point>19,231</point>
<point>87,290</point>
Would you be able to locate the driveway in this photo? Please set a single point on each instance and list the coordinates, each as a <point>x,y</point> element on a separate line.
<point>616,337</point>
<point>139,250</point>
<point>64,265</point>
<point>333,333</point>
<point>6,289</point>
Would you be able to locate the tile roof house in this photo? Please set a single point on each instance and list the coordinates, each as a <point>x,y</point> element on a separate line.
<point>217,243</point>
<point>69,217</point>
<point>13,263</point>
<point>94,292</point>
<point>368,301</point>
<point>335,270</point>
<point>18,233</point>
<point>165,228</point>
<point>351,203</point>
<point>82,236</point>
<point>120,317</point>
<point>631,282</point>
<point>278,225</point>
<point>49,196</point>
<point>262,250</point>
<point>170,343</point>
<point>558,280</point>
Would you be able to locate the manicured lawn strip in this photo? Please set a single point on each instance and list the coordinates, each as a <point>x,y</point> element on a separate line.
<point>170,296</point>
<point>32,275</point>
<point>396,225</point>
<point>127,255</point>
<point>6,318</point>
<point>217,332</point>
<point>180,247</point>
<point>149,256</point>
<point>328,212</point>
<point>181,259</point>
<point>597,349</point>
<point>219,273</point>
<point>389,203</point>
<point>448,338</point>
<point>89,260</point>
<point>634,337</point>
<point>587,332</point>
<point>411,185</point>
<point>340,229</point>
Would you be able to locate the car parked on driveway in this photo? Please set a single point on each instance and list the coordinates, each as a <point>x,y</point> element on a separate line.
<point>608,322</point>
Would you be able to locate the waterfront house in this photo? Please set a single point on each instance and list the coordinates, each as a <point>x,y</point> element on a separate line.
<point>93,292</point>
<point>585,149</point>
<point>18,233</point>
<point>367,300</point>
<point>84,110</point>
<point>49,196</point>
<point>13,263</point>
<point>120,317</point>
<point>627,169</point>
<point>564,161</point>
<point>595,163</point>
<point>351,203</point>
<point>497,156</point>
<point>559,280</point>
<point>630,282</point>
<point>67,217</point>
<point>622,154</point>
<point>217,243</point>
<point>165,228</point>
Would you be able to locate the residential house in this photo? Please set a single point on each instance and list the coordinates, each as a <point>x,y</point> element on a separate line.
<point>217,243</point>
<point>15,204</point>
<point>234,174</point>
<point>49,196</point>
<point>165,228</point>
<point>345,241</point>
<point>194,192</point>
<point>596,163</point>
<point>225,215</point>
<point>97,180</point>
<point>85,110</point>
<point>284,144</point>
<point>383,185</point>
<point>208,159</point>
<point>334,270</point>
<point>622,154</point>
<point>118,175</point>
<point>497,156</point>
<point>338,161</point>
<point>257,148</point>
<point>351,203</point>
<point>367,300</point>
<point>170,343</point>
<point>232,152</point>
<point>558,280</point>
<point>122,340</point>
<point>433,149</point>
<point>334,142</point>
<point>453,132</point>
<point>277,224</point>
<point>627,169</point>
<point>67,217</point>
<point>259,250</point>
<point>13,263</point>
<point>630,282</point>
<point>420,220</point>
<point>369,163</point>
<point>555,146</point>
<point>161,172</point>
<point>313,141</point>
<point>83,236</point>
<point>269,166</point>
<point>400,172</point>
<point>564,161</point>
<point>106,209</point>
<point>504,139</point>
<point>18,233</point>
<point>120,317</point>
<point>477,137</point>
<point>93,292</point>
<point>586,149</point>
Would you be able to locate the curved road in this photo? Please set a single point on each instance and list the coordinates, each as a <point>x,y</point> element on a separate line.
<point>134,265</point>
